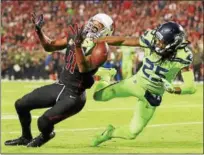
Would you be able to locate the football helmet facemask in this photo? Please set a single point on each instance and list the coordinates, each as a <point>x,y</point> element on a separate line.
<point>98,26</point>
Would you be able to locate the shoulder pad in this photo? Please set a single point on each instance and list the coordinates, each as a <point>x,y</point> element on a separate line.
<point>146,38</point>
<point>184,56</point>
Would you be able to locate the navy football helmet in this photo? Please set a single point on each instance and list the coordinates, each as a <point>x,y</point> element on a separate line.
<point>167,38</point>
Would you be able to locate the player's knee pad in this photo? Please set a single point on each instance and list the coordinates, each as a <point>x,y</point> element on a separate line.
<point>102,96</point>
<point>45,125</point>
<point>97,96</point>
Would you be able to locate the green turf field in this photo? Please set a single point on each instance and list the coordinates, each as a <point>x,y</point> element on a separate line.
<point>175,128</point>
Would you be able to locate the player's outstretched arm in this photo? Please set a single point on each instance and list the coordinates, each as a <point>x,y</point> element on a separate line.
<point>119,41</point>
<point>188,87</point>
<point>48,44</point>
<point>82,61</point>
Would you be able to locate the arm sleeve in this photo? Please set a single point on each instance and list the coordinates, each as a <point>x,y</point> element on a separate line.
<point>184,57</point>
<point>144,39</point>
<point>189,84</point>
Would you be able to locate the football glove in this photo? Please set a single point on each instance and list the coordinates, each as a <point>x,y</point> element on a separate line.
<point>168,86</point>
<point>77,32</point>
<point>38,21</point>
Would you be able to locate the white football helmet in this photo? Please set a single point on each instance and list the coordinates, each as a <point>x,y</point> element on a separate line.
<point>90,31</point>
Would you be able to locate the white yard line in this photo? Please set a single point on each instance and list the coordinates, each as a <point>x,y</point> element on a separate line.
<point>100,128</point>
<point>124,109</point>
<point>10,115</point>
<point>13,117</point>
<point>27,81</point>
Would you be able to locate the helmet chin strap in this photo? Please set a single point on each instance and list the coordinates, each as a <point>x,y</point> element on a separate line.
<point>158,50</point>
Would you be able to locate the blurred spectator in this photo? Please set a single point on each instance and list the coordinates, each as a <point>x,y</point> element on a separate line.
<point>23,56</point>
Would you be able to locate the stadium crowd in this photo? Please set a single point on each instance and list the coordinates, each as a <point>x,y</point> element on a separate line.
<point>22,56</point>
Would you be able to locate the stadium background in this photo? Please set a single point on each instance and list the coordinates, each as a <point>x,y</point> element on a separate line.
<point>177,126</point>
<point>22,56</point>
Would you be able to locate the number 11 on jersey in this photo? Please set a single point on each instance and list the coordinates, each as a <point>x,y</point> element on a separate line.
<point>71,62</point>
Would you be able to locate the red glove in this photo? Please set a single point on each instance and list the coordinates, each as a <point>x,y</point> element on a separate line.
<point>38,21</point>
<point>77,32</point>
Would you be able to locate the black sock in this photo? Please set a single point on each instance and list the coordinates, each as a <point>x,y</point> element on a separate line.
<point>25,120</point>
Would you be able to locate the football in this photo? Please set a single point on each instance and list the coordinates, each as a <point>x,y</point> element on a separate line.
<point>99,54</point>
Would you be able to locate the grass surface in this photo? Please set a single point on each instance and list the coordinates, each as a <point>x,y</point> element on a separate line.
<point>175,128</point>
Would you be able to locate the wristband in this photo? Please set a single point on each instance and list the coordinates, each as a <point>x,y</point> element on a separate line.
<point>186,90</point>
<point>189,86</point>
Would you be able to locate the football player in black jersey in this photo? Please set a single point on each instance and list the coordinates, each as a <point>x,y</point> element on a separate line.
<point>67,96</point>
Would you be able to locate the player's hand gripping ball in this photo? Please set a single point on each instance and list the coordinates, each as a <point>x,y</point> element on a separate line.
<point>99,53</point>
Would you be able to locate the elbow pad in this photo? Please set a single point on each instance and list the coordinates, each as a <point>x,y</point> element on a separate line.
<point>189,85</point>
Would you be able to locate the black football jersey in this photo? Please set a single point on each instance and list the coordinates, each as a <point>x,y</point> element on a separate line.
<point>70,75</point>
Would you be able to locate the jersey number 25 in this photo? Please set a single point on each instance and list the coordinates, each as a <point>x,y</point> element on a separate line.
<point>159,71</point>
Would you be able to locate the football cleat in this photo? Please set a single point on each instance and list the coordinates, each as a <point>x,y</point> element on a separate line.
<point>40,140</point>
<point>105,136</point>
<point>19,141</point>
